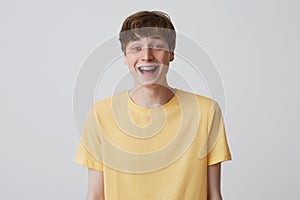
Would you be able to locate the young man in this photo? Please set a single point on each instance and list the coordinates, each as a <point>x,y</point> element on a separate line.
<point>153,142</point>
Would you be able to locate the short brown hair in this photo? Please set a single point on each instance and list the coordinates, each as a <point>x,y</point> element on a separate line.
<point>132,26</point>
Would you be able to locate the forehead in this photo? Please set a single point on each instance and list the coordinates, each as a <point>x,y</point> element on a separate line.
<point>146,39</point>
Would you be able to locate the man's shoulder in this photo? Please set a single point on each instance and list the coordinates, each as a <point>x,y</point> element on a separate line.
<point>105,105</point>
<point>203,101</point>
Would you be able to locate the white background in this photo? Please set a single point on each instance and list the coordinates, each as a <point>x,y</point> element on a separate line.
<point>255,45</point>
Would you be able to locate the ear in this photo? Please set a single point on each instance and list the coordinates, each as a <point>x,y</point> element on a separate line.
<point>171,56</point>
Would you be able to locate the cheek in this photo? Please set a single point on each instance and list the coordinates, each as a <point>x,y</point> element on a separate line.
<point>127,61</point>
<point>165,60</point>
<point>131,64</point>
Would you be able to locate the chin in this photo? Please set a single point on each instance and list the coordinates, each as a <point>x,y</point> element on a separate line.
<point>147,84</point>
<point>151,84</point>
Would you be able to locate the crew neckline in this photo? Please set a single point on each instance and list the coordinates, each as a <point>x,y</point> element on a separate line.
<point>145,109</point>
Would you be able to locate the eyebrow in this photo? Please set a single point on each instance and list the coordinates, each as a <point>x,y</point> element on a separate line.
<point>151,37</point>
<point>155,37</point>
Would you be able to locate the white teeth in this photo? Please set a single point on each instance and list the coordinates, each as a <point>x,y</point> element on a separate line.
<point>146,68</point>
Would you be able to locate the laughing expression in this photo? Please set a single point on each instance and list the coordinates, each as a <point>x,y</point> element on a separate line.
<point>148,60</point>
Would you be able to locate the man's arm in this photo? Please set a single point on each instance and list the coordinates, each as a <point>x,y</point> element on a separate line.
<point>214,179</point>
<point>96,185</point>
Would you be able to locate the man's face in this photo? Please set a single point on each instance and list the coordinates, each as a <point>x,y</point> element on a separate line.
<point>148,60</point>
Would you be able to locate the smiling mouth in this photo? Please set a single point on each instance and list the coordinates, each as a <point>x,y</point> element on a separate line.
<point>147,69</point>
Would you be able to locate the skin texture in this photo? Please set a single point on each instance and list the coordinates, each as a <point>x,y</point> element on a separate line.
<point>149,91</point>
<point>214,182</point>
<point>96,185</point>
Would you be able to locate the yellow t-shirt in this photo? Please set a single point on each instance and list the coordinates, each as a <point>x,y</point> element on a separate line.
<point>157,153</point>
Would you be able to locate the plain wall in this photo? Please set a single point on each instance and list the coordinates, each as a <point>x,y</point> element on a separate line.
<point>254,44</point>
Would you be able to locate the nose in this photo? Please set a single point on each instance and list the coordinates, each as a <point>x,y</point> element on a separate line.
<point>146,54</point>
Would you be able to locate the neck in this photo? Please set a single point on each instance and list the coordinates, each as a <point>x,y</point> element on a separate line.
<point>151,96</point>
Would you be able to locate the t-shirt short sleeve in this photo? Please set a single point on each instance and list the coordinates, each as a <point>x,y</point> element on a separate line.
<point>89,151</point>
<point>215,146</point>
